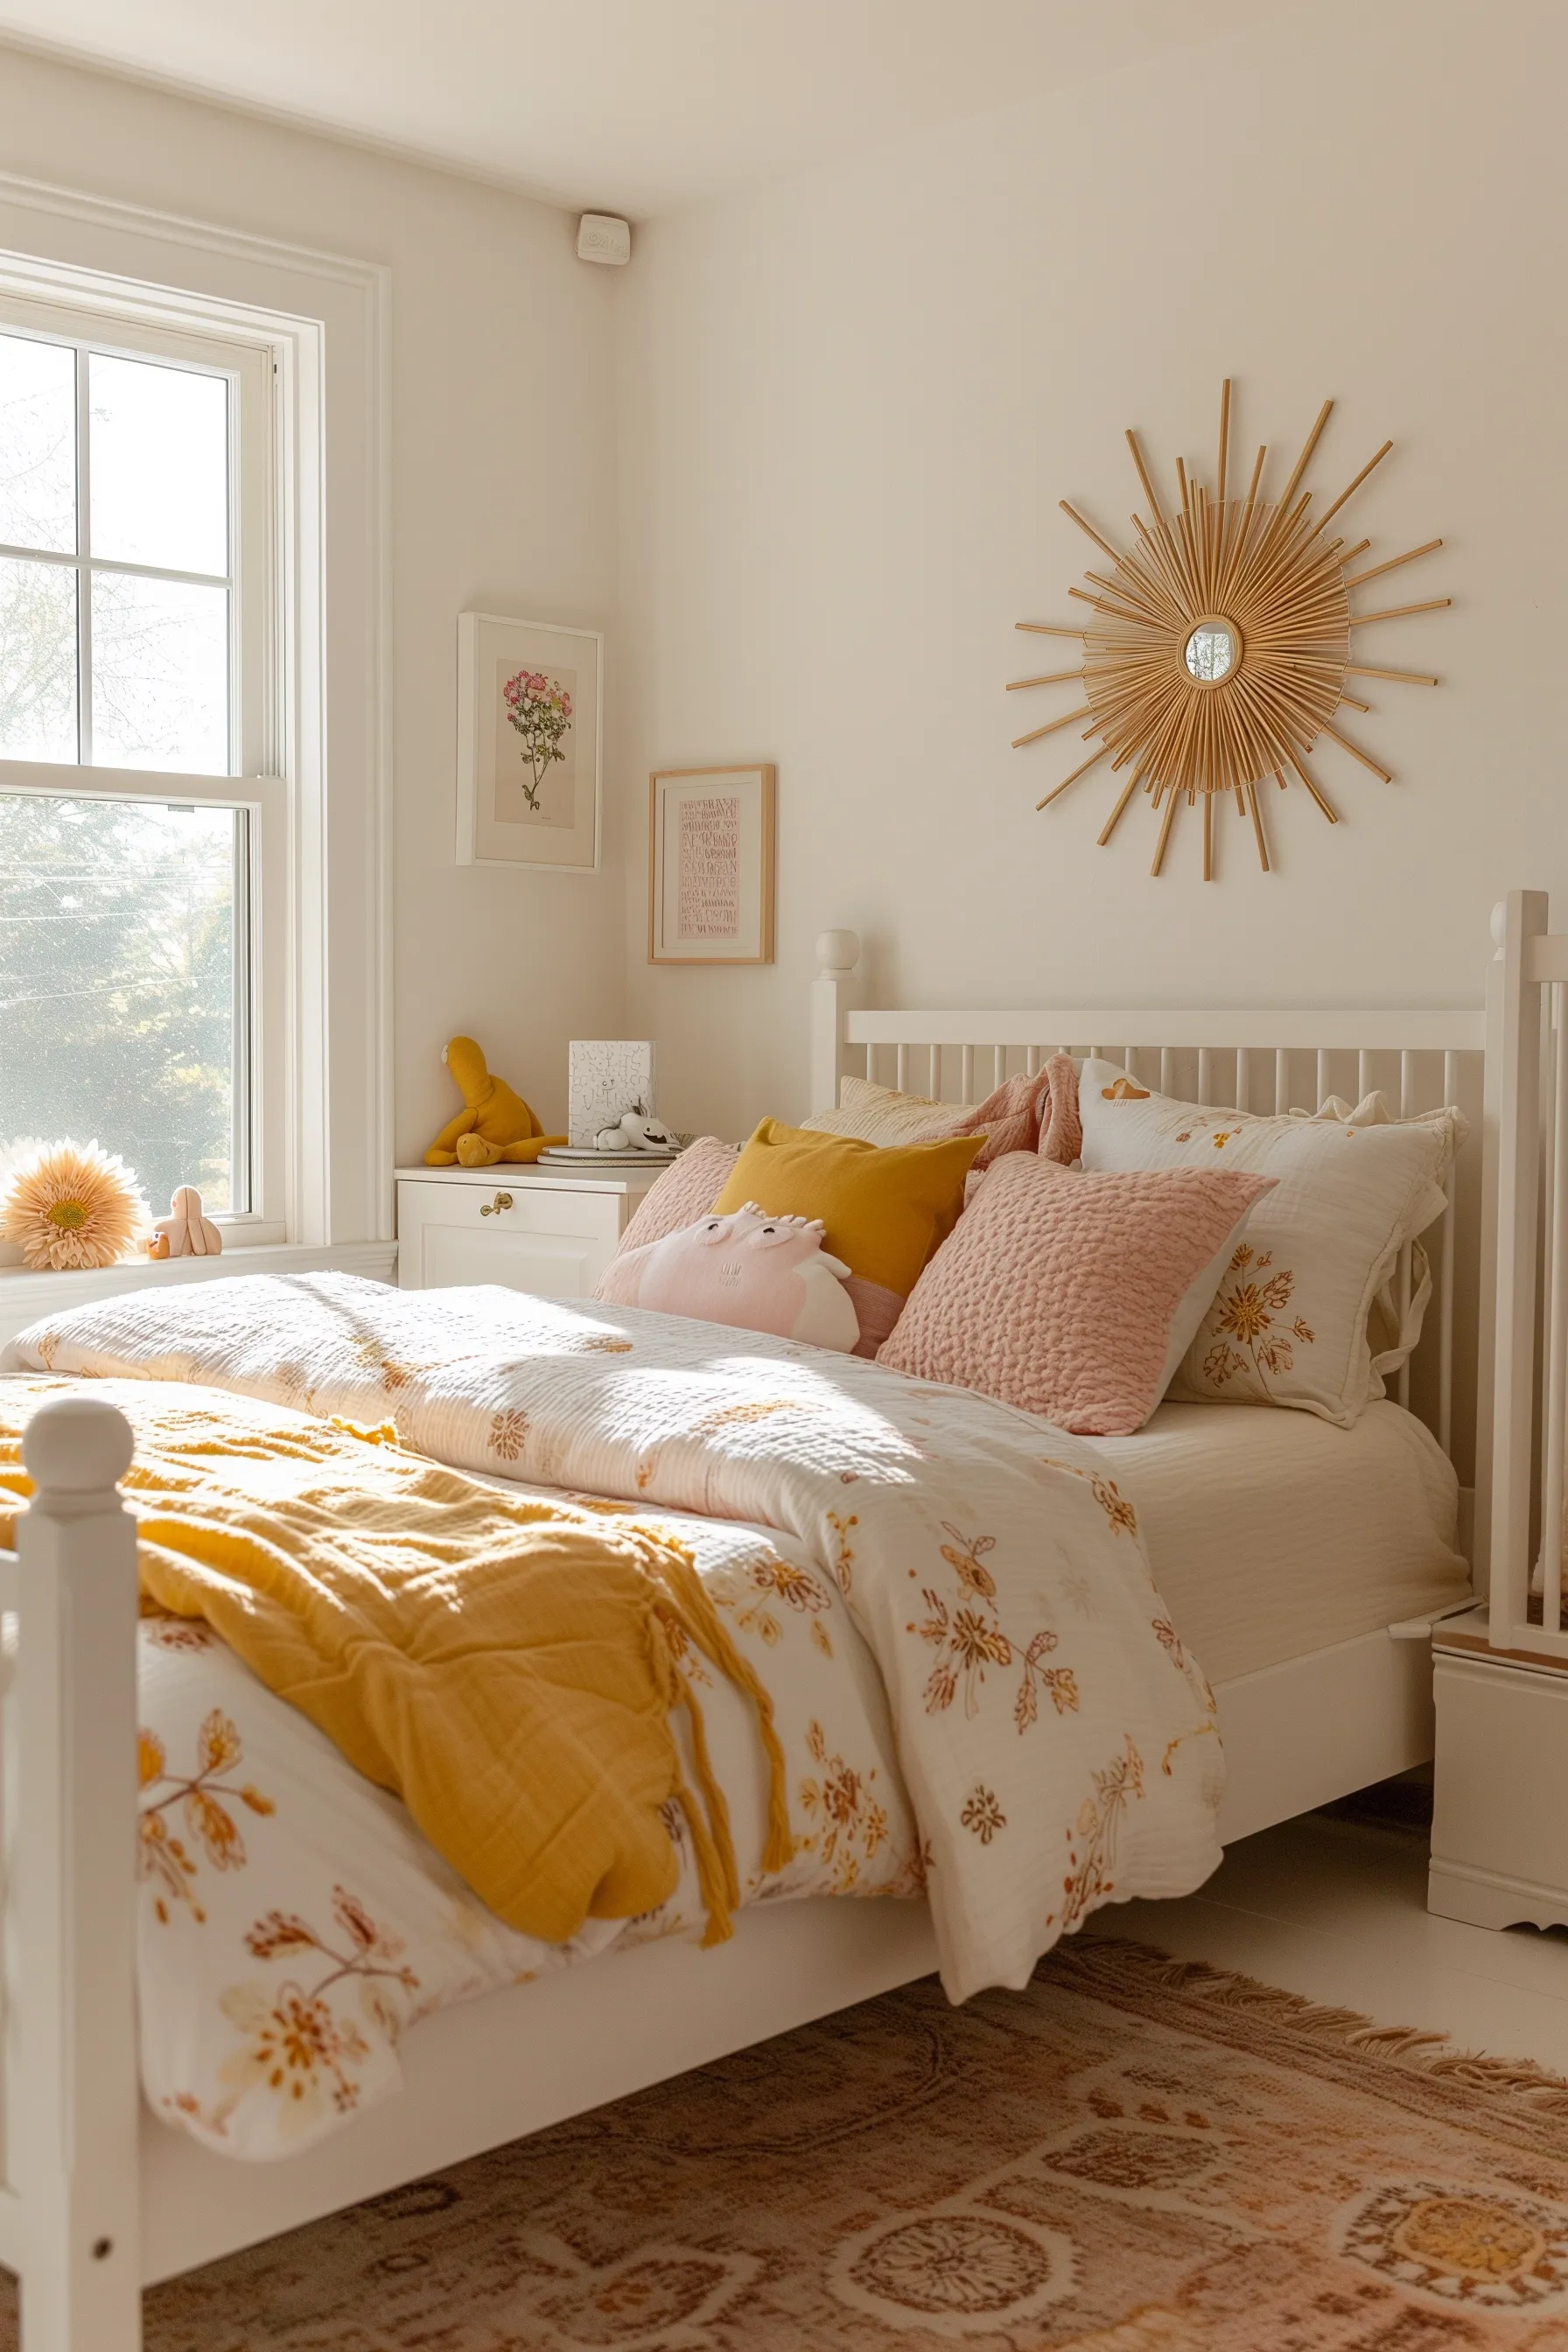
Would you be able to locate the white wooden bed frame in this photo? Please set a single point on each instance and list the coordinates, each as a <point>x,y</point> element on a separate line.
<point>101,2198</point>
<point>1500,1840</point>
<point>1527,1007</point>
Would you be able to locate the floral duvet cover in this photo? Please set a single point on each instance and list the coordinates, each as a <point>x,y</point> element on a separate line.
<point>980,1694</point>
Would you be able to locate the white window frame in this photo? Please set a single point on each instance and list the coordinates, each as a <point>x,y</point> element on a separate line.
<point>253,785</point>
<point>324,316</point>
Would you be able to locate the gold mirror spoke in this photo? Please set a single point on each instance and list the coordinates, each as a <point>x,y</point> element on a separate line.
<point>1257,812</point>
<point>1104,544</point>
<point>1128,789</point>
<point>1328,811</point>
<point>1366,759</point>
<point>1398,612</point>
<point>1392,564</point>
<point>1171,801</point>
<point>1093,761</point>
<point>1404,676</point>
<point>1051,725</point>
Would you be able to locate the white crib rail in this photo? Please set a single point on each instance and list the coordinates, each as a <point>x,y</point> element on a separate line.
<point>69,2219</point>
<point>1240,1060</point>
<point>1528,1043</point>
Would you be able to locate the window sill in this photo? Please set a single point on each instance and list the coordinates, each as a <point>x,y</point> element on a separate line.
<point>25,1297</point>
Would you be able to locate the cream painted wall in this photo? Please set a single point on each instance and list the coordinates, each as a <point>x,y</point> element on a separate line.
<point>501,497</point>
<point>849,405</point>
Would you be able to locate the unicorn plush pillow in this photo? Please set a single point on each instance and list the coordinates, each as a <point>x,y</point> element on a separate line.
<point>757,1272</point>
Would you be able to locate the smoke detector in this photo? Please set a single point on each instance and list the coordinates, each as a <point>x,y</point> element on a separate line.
<point>602,237</point>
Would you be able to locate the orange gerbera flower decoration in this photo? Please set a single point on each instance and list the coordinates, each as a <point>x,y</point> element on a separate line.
<point>72,1205</point>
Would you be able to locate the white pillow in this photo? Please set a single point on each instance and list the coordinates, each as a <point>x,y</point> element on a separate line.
<point>1289,1322</point>
<point>882,1115</point>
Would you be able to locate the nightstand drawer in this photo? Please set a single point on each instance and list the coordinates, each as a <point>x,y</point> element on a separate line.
<point>551,1240</point>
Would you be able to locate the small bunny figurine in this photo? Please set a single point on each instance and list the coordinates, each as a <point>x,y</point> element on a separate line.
<point>184,1232</point>
<point>635,1131</point>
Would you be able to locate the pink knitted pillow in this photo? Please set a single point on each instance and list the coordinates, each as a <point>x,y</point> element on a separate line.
<point>1038,1114</point>
<point>1023,1114</point>
<point>686,1190</point>
<point>1074,1296</point>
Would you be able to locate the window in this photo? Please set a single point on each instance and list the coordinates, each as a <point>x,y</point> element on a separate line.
<point>139,718</point>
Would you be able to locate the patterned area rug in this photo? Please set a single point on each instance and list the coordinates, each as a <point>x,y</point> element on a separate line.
<point>1138,2155</point>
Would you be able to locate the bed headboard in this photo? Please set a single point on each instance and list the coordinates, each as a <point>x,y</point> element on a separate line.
<point>1240,1060</point>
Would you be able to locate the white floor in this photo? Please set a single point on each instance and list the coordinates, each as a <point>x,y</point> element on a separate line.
<point>1338,1911</point>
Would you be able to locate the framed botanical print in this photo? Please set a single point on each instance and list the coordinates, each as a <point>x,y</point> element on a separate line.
<point>530,711</point>
<point>711,865</point>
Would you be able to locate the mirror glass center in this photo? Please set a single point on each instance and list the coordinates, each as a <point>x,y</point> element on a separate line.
<point>1213,650</point>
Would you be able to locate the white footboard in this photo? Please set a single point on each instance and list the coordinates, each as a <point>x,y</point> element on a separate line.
<point>69,2225</point>
<point>96,2195</point>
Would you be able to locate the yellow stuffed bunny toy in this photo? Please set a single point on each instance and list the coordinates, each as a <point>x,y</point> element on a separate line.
<point>495,1123</point>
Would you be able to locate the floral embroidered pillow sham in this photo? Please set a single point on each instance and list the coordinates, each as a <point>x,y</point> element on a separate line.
<point>1290,1324</point>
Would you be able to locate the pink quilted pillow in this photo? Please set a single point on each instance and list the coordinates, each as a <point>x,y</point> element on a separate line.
<point>686,1190</point>
<point>1075,1295</point>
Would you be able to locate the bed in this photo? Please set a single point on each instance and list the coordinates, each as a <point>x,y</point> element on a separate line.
<point>1306,1562</point>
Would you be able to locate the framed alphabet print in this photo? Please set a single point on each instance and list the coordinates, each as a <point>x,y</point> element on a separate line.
<point>711,865</point>
<point>529,706</point>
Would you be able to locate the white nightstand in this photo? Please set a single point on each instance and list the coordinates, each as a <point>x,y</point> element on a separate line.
<point>527,1228</point>
<point>1500,1831</point>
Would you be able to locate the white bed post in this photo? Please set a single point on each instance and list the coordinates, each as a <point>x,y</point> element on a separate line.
<point>837,953</point>
<point>75,2117</point>
<point>1513,1121</point>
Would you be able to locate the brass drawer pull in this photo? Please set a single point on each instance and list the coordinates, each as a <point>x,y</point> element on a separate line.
<point>493,1207</point>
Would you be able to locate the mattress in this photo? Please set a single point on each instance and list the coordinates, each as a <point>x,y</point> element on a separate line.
<point>1273,1533</point>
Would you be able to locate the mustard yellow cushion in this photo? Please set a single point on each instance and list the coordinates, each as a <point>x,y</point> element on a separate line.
<point>887,1207</point>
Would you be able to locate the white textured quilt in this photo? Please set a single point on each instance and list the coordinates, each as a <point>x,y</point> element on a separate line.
<point>949,1599</point>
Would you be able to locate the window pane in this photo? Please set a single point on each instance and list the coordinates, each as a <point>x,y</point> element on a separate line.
<point>37,445</point>
<point>117,984</point>
<point>158,461</point>
<point>160,674</point>
<point>38,660</point>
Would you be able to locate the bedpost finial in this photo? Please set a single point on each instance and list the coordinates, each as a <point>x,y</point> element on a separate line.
<point>837,952</point>
<point>1500,924</point>
<point>77,1446</point>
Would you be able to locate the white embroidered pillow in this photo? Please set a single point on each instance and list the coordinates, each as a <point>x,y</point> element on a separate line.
<point>1289,1322</point>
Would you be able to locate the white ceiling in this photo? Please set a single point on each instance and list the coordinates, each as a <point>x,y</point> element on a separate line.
<point>631,106</point>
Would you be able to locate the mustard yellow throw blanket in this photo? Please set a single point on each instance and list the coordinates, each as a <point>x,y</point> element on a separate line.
<point>507,1666</point>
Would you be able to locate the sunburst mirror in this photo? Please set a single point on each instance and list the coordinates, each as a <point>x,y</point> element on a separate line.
<point>1221,644</point>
